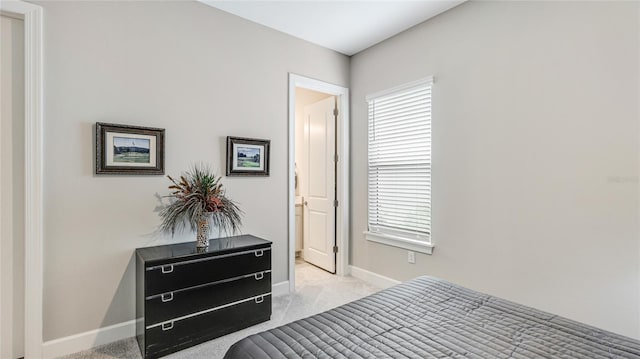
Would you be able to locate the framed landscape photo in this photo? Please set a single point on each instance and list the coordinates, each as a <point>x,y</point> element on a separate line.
<point>247,156</point>
<point>129,150</point>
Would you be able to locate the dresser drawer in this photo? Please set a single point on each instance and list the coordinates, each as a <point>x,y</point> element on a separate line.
<point>180,333</point>
<point>176,304</point>
<point>181,275</point>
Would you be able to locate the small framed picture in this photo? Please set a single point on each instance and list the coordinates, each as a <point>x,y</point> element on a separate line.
<point>247,157</point>
<point>129,150</point>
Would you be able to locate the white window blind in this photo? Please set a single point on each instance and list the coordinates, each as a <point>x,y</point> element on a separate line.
<point>400,161</point>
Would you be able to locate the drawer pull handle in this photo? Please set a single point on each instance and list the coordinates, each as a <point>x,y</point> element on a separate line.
<point>167,269</point>
<point>167,326</point>
<point>166,297</point>
<point>259,253</point>
<point>259,300</point>
<point>259,275</point>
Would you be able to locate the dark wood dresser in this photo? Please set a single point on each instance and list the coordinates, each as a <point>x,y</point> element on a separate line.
<point>185,296</point>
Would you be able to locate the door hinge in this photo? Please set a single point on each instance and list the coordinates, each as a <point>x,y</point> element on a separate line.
<point>335,203</point>
<point>335,112</point>
<point>335,158</point>
<point>335,249</point>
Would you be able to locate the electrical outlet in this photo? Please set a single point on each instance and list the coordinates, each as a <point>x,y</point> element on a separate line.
<point>411,256</point>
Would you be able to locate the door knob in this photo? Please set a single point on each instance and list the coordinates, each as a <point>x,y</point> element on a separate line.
<point>306,203</point>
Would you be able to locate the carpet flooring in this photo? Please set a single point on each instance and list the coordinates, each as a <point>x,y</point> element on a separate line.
<point>316,291</point>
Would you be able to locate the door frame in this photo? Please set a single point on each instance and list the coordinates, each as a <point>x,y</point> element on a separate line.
<point>342,211</point>
<point>34,205</point>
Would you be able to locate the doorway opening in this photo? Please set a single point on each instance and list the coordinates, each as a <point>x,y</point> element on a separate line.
<point>318,176</point>
<point>31,345</point>
<point>12,195</point>
<point>315,185</point>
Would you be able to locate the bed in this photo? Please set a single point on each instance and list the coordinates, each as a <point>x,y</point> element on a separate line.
<point>431,318</point>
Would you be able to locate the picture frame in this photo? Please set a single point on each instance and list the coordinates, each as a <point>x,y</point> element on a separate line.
<point>247,156</point>
<point>129,150</point>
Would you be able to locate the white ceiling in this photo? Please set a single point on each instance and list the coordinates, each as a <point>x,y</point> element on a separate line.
<point>344,26</point>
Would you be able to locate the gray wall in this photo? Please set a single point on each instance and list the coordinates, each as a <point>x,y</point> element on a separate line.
<point>535,154</point>
<point>201,74</point>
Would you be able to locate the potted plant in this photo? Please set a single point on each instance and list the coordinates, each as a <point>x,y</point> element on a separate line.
<point>199,200</point>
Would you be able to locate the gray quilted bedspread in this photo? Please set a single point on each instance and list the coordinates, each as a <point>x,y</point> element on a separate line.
<point>432,318</point>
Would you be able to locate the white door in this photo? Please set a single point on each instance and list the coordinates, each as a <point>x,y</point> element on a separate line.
<point>11,188</point>
<point>319,211</point>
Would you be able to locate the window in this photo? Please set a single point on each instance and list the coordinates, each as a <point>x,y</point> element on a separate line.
<point>400,166</point>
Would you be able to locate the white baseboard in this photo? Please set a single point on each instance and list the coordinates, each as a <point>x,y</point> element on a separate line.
<point>87,340</point>
<point>97,337</point>
<point>279,289</point>
<point>373,278</point>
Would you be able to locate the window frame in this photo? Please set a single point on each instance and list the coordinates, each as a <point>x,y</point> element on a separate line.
<point>396,237</point>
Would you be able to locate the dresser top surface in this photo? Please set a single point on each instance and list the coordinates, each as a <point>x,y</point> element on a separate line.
<point>217,246</point>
